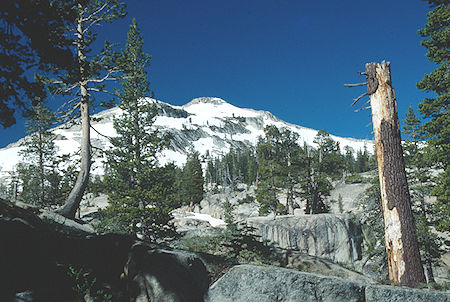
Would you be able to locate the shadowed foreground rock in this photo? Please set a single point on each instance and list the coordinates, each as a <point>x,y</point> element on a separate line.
<point>250,283</point>
<point>36,256</point>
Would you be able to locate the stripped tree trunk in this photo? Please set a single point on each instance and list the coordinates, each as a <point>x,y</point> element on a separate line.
<point>401,244</point>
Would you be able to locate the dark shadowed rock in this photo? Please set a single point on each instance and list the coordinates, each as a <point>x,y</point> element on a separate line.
<point>166,276</point>
<point>36,254</point>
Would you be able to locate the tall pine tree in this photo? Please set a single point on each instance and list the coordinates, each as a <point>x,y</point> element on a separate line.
<point>92,70</point>
<point>437,128</point>
<point>138,203</point>
<point>418,162</point>
<point>191,182</point>
<point>268,151</point>
<point>322,164</point>
<point>39,157</point>
<point>32,38</point>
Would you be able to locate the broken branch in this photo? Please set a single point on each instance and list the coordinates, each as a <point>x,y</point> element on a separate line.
<point>360,97</point>
<point>364,108</point>
<point>355,85</point>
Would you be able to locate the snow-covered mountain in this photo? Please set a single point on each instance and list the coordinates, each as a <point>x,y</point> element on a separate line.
<point>206,124</point>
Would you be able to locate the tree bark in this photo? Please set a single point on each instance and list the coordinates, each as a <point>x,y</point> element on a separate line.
<point>73,201</point>
<point>41,156</point>
<point>404,263</point>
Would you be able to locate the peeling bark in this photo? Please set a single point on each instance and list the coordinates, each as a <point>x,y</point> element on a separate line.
<point>401,244</point>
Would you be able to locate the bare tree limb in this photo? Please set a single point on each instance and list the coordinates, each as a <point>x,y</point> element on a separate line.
<point>364,108</point>
<point>360,97</point>
<point>106,77</point>
<point>355,85</point>
<point>93,14</point>
<point>69,102</point>
<point>99,132</point>
<point>103,91</point>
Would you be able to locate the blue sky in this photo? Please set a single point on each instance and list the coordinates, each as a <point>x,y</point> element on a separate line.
<point>289,57</point>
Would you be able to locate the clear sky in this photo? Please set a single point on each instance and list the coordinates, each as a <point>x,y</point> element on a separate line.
<point>289,57</point>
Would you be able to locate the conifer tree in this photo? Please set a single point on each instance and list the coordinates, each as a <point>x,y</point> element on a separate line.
<point>91,72</point>
<point>268,150</point>
<point>437,128</point>
<point>138,196</point>
<point>191,184</point>
<point>32,37</point>
<point>417,161</point>
<point>291,164</point>
<point>322,164</point>
<point>349,159</point>
<point>39,157</point>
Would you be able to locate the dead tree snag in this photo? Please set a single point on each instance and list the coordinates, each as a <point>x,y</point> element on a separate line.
<point>404,263</point>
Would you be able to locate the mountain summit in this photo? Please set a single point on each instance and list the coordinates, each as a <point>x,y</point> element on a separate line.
<point>206,124</point>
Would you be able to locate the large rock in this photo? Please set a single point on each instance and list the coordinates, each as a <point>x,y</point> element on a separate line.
<point>351,196</point>
<point>307,263</point>
<point>335,237</point>
<point>248,283</point>
<point>36,256</point>
<point>166,276</point>
<point>384,293</point>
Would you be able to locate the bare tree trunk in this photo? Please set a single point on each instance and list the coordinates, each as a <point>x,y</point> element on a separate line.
<point>73,201</point>
<point>428,258</point>
<point>401,244</point>
<point>290,190</point>
<point>41,157</point>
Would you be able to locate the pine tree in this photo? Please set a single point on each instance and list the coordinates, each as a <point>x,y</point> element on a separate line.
<point>91,72</point>
<point>32,38</point>
<point>138,197</point>
<point>191,184</point>
<point>419,181</point>
<point>39,157</point>
<point>437,128</point>
<point>268,150</point>
<point>291,164</point>
<point>349,158</point>
<point>322,164</point>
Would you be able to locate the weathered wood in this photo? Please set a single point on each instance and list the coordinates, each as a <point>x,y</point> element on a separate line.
<point>401,244</point>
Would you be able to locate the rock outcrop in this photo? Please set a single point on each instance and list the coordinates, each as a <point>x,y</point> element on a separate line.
<point>266,284</point>
<point>250,283</point>
<point>335,237</point>
<point>166,276</point>
<point>37,256</point>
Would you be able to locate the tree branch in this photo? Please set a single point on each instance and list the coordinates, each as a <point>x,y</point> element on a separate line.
<point>360,97</point>
<point>99,132</point>
<point>355,85</point>
<point>364,108</point>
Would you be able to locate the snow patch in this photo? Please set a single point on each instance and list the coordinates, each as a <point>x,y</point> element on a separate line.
<point>214,222</point>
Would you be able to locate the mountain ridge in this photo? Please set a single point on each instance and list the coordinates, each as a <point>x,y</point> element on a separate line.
<point>204,124</point>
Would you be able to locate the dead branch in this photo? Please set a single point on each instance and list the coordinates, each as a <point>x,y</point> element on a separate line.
<point>99,132</point>
<point>355,85</point>
<point>360,97</point>
<point>364,108</point>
